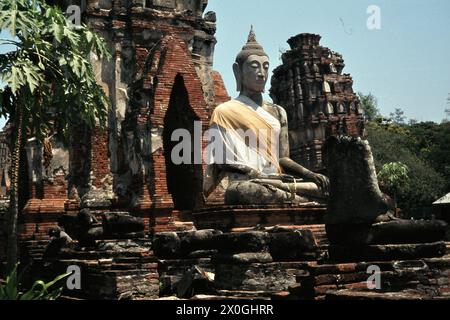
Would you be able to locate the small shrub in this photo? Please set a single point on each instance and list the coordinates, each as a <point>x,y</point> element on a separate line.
<point>40,290</point>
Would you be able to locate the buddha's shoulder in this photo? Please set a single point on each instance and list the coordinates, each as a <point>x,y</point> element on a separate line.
<point>276,109</point>
<point>226,105</point>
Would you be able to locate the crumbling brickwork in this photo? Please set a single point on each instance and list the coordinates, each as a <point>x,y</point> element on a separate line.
<point>160,47</point>
<point>317,96</point>
<point>159,79</point>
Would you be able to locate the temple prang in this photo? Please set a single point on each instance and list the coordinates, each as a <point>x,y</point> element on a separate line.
<point>318,98</point>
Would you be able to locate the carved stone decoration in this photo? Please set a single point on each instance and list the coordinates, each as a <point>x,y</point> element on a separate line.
<point>330,109</point>
<point>315,72</point>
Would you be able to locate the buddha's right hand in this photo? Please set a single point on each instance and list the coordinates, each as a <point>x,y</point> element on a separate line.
<point>234,168</point>
<point>322,182</point>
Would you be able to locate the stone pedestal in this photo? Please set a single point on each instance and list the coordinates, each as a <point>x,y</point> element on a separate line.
<point>116,269</point>
<point>386,252</point>
<point>418,279</point>
<point>244,264</point>
<point>227,218</point>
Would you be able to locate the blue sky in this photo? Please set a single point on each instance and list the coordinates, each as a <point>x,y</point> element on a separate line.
<point>405,65</point>
<point>4,48</point>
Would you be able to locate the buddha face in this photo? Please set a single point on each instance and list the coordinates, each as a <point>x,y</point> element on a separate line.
<point>252,75</point>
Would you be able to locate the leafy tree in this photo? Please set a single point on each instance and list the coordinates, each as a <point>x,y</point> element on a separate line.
<point>50,83</point>
<point>430,141</point>
<point>395,177</point>
<point>392,143</point>
<point>447,114</point>
<point>447,111</point>
<point>369,104</point>
<point>398,116</point>
<point>422,147</point>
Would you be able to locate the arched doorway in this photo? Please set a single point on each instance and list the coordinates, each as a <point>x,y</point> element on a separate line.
<point>184,181</point>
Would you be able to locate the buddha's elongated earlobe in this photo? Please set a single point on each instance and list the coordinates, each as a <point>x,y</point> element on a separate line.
<point>238,75</point>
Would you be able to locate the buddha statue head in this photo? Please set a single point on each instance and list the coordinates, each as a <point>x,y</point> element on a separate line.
<point>251,68</point>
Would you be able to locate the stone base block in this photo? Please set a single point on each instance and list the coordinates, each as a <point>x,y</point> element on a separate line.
<point>116,269</point>
<point>386,252</point>
<point>268,277</point>
<point>230,217</point>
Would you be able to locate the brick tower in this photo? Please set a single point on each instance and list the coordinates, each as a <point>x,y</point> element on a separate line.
<point>318,98</point>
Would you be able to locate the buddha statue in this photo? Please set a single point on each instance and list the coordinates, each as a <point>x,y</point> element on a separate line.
<point>250,158</point>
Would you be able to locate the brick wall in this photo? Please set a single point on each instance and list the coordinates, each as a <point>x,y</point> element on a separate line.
<point>100,157</point>
<point>220,91</point>
<point>170,60</point>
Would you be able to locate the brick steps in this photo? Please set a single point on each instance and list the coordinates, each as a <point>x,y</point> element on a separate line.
<point>416,280</point>
<point>127,269</point>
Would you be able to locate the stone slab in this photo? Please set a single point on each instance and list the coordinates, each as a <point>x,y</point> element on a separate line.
<point>386,252</point>
<point>269,277</point>
<point>230,217</point>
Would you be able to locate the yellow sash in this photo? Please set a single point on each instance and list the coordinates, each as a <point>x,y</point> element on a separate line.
<point>236,115</point>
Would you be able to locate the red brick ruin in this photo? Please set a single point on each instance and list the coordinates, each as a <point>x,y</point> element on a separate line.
<point>160,79</point>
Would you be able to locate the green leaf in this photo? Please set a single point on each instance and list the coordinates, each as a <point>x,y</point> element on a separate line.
<point>52,58</point>
<point>89,36</point>
<point>55,294</point>
<point>32,78</point>
<point>48,285</point>
<point>57,31</point>
<point>15,79</point>
<point>62,61</point>
<point>10,289</point>
<point>37,291</point>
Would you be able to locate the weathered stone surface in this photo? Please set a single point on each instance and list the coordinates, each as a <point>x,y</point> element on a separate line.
<point>253,241</point>
<point>293,246</point>
<point>121,236</point>
<point>318,98</point>
<point>270,277</point>
<point>202,254</point>
<point>242,258</point>
<point>393,232</point>
<point>408,231</point>
<point>348,294</point>
<point>386,252</point>
<point>195,281</point>
<point>167,244</point>
<point>227,218</point>
<point>186,244</point>
<point>121,223</point>
<point>97,199</point>
<point>197,240</point>
<point>88,239</point>
<point>117,269</point>
<point>355,197</point>
<point>172,271</point>
<point>230,297</point>
<point>249,193</point>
